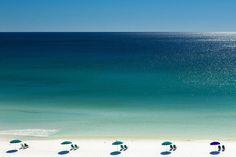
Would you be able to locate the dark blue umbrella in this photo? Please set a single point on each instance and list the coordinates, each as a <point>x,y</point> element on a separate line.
<point>215,143</point>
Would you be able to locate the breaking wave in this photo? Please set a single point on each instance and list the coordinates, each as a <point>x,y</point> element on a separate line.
<point>30,132</point>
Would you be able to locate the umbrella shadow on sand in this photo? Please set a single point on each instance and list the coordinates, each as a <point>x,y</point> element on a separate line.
<point>115,153</point>
<point>12,151</point>
<point>215,153</point>
<point>166,153</point>
<point>64,152</point>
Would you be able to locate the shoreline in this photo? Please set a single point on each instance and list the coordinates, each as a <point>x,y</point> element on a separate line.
<point>110,138</point>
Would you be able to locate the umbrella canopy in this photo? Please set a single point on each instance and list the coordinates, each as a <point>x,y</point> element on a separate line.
<point>15,141</point>
<point>117,143</point>
<point>215,143</point>
<point>166,143</point>
<point>66,142</point>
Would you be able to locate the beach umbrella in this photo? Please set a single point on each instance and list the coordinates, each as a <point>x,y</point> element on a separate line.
<point>166,143</point>
<point>215,143</point>
<point>116,143</point>
<point>15,141</point>
<point>66,142</point>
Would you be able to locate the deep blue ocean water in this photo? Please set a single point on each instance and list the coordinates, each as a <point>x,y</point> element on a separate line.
<point>163,85</point>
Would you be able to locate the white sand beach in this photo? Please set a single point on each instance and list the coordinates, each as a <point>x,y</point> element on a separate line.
<point>103,148</point>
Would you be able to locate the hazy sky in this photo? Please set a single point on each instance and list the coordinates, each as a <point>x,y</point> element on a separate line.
<point>117,15</point>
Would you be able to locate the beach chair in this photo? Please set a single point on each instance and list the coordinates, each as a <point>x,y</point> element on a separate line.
<point>174,147</point>
<point>125,147</point>
<point>22,146</point>
<point>26,146</point>
<point>76,147</point>
<point>122,147</point>
<point>223,148</point>
<point>72,147</point>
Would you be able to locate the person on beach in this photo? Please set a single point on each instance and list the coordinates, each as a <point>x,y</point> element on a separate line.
<point>22,146</point>
<point>122,147</point>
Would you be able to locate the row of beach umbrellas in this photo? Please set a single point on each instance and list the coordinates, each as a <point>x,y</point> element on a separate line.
<point>118,143</point>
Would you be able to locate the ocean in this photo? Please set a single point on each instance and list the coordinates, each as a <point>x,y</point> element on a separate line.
<point>134,85</point>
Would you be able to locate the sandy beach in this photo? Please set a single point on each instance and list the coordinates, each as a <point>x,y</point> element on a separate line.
<point>103,148</point>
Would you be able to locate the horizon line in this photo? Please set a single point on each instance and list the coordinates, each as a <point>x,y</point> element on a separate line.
<point>115,32</point>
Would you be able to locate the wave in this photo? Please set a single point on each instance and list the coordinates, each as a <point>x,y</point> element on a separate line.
<point>30,132</point>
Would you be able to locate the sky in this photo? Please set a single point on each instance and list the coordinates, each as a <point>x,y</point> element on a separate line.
<point>117,15</point>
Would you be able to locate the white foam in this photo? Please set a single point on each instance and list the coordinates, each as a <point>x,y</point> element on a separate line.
<point>30,132</point>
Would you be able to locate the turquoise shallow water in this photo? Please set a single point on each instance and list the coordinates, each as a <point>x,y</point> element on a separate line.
<point>162,85</point>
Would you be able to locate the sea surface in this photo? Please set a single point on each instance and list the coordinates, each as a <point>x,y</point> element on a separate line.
<point>137,85</point>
